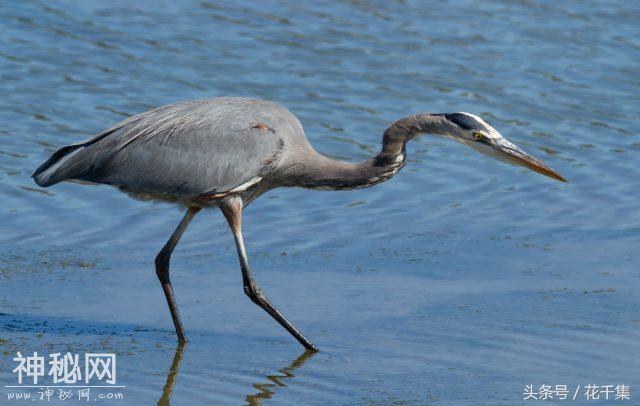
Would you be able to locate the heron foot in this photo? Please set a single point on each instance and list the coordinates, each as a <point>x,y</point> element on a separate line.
<point>253,291</point>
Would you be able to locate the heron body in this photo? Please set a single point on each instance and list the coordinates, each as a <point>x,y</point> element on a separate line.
<point>225,152</point>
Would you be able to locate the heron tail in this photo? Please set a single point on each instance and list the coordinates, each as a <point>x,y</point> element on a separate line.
<point>58,167</point>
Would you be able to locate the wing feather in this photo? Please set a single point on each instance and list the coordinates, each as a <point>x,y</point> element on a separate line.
<point>188,148</point>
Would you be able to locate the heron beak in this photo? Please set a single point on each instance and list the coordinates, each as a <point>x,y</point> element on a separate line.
<point>510,153</point>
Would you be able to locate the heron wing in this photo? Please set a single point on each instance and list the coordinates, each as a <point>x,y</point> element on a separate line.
<point>188,149</point>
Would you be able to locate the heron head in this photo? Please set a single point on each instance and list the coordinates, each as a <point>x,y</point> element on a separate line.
<point>473,131</point>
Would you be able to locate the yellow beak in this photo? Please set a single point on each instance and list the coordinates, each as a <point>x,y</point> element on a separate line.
<point>516,156</point>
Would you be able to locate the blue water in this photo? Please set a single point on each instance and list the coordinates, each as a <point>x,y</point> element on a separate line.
<point>459,281</point>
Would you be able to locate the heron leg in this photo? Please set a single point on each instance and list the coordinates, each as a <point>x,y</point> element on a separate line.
<point>232,210</point>
<point>162,269</point>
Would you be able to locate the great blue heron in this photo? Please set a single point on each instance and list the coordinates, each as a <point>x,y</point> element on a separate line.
<point>225,152</point>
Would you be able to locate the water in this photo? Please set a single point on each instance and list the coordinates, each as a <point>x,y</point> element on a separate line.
<point>460,280</point>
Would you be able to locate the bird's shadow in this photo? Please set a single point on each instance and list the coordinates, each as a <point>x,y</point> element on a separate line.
<point>266,390</point>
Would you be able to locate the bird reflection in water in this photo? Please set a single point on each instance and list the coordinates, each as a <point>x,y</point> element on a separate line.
<point>266,390</point>
<point>167,391</point>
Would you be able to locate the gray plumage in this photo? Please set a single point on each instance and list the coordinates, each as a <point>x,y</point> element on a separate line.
<point>206,146</point>
<point>227,151</point>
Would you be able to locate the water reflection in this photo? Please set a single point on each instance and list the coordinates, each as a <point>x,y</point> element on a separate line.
<point>266,390</point>
<point>167,391</point>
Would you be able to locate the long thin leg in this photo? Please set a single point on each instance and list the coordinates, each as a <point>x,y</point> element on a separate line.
<point>232,210</point>
<point>162,269</point>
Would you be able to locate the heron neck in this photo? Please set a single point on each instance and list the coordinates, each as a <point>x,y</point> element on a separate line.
<point>316,171</point>
<point>323,173</point>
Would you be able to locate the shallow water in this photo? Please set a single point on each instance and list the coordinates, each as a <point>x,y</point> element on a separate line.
<point>461,280</point>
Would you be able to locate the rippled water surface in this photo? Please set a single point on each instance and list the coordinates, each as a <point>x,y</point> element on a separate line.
<point>460,280</point>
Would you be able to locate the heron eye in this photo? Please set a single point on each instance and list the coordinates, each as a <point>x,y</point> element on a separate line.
<point>478,136</point>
